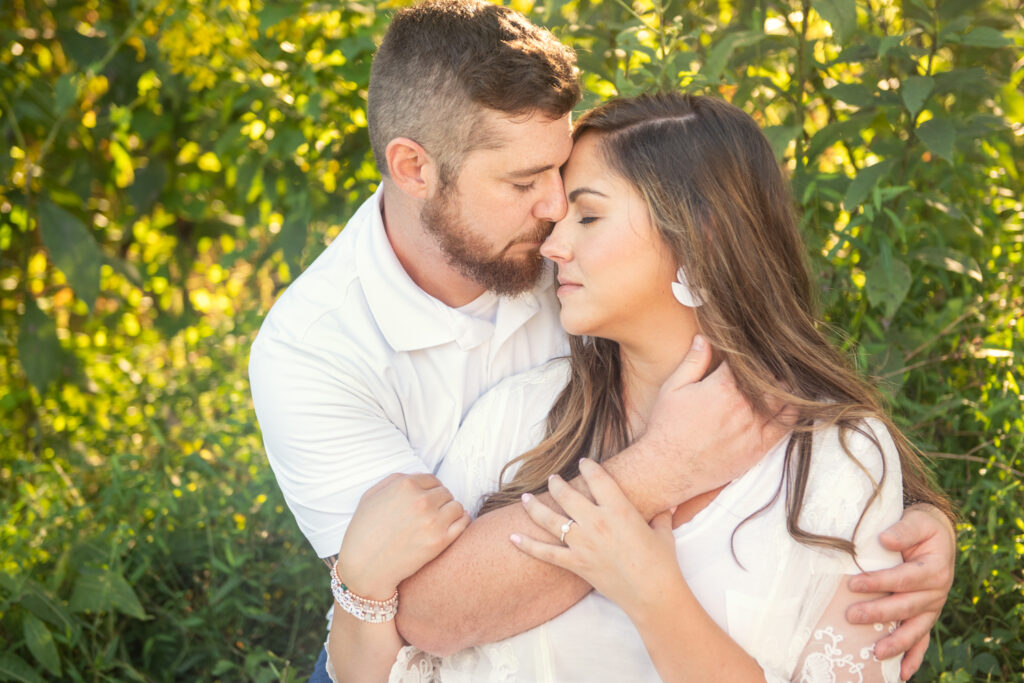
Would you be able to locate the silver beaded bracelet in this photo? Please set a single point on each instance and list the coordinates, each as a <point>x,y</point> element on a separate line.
<point>373,611</point>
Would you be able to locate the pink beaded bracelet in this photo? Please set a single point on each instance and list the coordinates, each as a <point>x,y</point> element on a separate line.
<point>373,611</point>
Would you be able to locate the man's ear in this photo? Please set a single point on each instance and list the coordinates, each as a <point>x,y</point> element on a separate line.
<point>411,168</point>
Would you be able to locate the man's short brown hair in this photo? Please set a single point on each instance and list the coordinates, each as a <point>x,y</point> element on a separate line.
<point>442,63</point>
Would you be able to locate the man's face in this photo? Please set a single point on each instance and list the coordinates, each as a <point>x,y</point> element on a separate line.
<point>492,219</point>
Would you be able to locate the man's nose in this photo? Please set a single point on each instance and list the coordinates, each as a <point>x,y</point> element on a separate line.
<point>552,205</point>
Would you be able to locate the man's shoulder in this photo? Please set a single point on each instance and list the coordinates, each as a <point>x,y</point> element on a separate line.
<point>326,293</point>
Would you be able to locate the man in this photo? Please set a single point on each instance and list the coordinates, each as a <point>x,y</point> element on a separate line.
<point>435,291</point>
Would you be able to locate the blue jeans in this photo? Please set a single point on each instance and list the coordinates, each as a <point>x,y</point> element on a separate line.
<point>319,674</point>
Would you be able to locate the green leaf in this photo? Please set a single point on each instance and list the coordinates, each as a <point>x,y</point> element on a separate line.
<point>73,250</point>
<point>985,36</point>
<point>888,286</point>
<point>104,590</point>
<point>954,26</point>
<point>938,135</point>
<point>40,644</point>
<point>950,259</point>
<point>915,91</point>
<point>65,92</point>
<point>780,137</point>
<point>849,130</point>
<point>36,600</point>
<point>294,232</point>
<point>887,43</point>
<point>720,53</point>
<point>866,180</point>
<point>84,50</point>
<point>148,186</point>
<point>857,94</point>
<point>841,16</point>
<point>39,349</point>
<point>14,668</point>
<point>273,14</point>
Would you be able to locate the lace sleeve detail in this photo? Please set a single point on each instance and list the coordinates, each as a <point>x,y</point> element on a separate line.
<point>841,652</point>
<point>415,666</point>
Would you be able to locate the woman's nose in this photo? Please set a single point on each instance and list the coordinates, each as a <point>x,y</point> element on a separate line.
<point>556,246</point>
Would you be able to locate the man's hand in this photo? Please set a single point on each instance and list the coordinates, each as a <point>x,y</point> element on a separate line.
<point>401,523</point>
<point>919,586</point>
<point>704,431</point>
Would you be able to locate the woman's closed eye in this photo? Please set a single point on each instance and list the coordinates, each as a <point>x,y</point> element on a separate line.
<point>586,220</point>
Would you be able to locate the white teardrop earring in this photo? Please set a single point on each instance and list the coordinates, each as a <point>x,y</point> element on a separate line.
<point>682,292</point>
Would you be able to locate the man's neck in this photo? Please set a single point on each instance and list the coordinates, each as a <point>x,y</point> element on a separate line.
<point>420,255</point>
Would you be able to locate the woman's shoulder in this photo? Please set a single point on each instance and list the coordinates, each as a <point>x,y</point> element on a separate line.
<point>854,471</point>
<point>866,447</point>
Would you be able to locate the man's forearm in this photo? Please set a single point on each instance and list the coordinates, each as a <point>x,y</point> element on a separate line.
<point>482,589</point>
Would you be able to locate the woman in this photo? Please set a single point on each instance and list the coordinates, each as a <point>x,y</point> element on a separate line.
<point>679,223</point>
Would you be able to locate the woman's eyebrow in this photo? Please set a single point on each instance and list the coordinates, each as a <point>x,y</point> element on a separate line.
<point>584,190</point>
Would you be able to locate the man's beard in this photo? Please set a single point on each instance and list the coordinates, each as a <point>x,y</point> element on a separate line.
<point>469,254</point>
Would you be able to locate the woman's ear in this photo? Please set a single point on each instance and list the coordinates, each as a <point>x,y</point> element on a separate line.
<point>411,169</point>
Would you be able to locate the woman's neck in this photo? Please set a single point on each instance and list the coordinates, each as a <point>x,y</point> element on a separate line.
<point>647,363</point>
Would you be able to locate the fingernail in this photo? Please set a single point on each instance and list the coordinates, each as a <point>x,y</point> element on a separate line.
<point>516,538</point>
<point>585,462</point>
<point>527,497</point>
<point>698,342</point>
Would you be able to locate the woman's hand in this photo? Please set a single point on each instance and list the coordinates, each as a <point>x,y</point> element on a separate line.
<point>609,544</point>
<point>401,523</point>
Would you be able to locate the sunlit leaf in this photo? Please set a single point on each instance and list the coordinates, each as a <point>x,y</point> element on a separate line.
<point>949,259</point>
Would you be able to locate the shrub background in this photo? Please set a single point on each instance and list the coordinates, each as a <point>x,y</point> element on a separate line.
<point>168,166</point>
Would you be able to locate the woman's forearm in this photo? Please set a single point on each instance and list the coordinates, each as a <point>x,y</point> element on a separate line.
<point>685,644</point>
<point>359,651</point>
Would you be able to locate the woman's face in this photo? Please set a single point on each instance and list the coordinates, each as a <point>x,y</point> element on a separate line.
<point>614,270</point>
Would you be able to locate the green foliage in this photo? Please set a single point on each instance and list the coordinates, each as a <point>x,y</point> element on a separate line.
<point>168,165</point>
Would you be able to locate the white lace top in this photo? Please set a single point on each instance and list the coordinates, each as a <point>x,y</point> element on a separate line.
<point>783,602</point>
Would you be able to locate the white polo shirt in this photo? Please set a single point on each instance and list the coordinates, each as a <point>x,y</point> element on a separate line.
<point>357,373</point>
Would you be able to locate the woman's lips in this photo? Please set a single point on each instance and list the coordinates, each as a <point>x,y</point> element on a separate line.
<point>568,288</point>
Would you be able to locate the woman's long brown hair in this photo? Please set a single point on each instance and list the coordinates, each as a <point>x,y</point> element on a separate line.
<point>720,202</point>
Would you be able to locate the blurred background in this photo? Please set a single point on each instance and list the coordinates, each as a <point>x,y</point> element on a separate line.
<point>167,167</point>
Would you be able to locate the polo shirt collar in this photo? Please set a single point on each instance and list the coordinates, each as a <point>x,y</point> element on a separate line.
<point>409,318</point>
